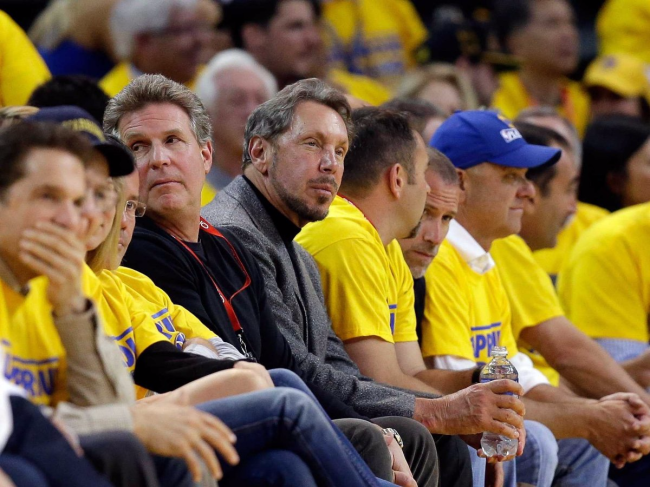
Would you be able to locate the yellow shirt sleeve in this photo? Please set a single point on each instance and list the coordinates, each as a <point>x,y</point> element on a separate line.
<point>446,323</point>
<point>21,67</point>
<point>603,287</point>
<point>405,323</point>
<point>530,290</point>
<point>355,288</point>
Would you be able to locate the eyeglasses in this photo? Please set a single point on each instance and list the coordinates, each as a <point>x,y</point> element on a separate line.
<point>104,197</point>
<point>134,209</point>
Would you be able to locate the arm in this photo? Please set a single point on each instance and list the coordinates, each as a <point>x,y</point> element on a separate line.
<point>618,428</point>
<point>94,365</point>
<point>447,381</point>
<point>337,372</point>
<point>580,360</point>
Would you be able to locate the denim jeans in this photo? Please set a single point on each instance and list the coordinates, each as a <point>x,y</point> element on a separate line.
<point>546,462</point>
<point>289,420</point>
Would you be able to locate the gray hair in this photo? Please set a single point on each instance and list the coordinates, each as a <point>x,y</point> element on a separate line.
<point>272,118</point>
<point>549,112</point>
<point>132,17</point>
<point>231,58</point>
<point>155,88</point>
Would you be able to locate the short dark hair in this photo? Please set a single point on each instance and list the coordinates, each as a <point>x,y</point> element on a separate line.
<point>273,117</point>
<point>77,90</point>
<point>239,13</point>
<point>442,166</point>
<point>419,112</point>
<point>608,145</point>
<point>534,134</point>
<point>16,142</point>
<point>509,16</point>
<point>382,138</point>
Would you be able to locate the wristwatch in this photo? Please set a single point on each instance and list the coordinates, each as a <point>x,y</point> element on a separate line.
<point>393,432</point>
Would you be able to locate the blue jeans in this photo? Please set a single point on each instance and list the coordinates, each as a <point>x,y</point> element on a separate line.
<point>546,462</point>
<point>289,420</point>
<point>22,472</point>
<point>40,445</point>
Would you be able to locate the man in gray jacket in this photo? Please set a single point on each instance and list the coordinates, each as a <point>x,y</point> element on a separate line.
<point>292,172</point>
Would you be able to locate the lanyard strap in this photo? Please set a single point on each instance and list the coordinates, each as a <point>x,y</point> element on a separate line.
<point>227,302</point>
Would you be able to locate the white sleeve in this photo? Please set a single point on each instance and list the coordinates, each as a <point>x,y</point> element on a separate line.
<point>452,362</point>
<point>6,417</point>
<point>529,376</point>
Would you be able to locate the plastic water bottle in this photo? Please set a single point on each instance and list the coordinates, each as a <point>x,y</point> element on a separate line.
<point>499,368</point>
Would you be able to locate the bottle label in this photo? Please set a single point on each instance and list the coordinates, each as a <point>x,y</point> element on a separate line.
<point>484,380</point>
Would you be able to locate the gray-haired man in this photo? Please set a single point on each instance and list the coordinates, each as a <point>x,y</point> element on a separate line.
<point>292,171</point>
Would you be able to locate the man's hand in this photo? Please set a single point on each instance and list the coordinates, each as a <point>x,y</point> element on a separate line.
<point>5,481</point>
<point>258,369</point>
<point>478,408</point>
<point>620,428</point>
<point>475,442</point>
<point>56,252</point>
<point>185,432</point>
<point>401,471</point>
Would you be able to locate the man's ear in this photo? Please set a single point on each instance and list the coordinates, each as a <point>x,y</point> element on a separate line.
<point>397,179</point>
<point>261,154</point>
<point>206,154</point>
<point>253,37</point>
<point>463,182</point>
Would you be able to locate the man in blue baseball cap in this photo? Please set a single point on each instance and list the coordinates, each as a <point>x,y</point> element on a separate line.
<point>467,311</point>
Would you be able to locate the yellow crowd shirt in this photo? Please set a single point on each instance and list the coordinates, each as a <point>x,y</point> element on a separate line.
<point>465,313</point>
<point>368,287</point>
<point>172,321</point>
<point>375,38</point>
<point>552,260</point>
<point>512,97</point>
<point>35,357</point>
<point>624,26</point>
<point>121,75</point>
<point>605,285</point>
<point>362,87</point>
<point>531,294</point>
<point>21,67</point>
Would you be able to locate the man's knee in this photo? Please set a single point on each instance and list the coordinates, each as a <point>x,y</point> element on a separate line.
<point>368,440</point>
<point>542,442</point>
<point>286,378</point>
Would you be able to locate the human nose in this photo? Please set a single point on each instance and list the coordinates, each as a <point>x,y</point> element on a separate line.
<point>69,216</point>
<point>158,156</point>
<point>432,232</point>
<point>329,161</point>
<point>526,190</point>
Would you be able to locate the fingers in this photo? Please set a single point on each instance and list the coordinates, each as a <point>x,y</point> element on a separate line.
<point>508,416</point>
<point>404,480</point>
<point>219,436</point>
<point>193,463</point>
<point>206,452</point>
<point>503,429</point>
<point>502,386</point>
<point>511,402</point>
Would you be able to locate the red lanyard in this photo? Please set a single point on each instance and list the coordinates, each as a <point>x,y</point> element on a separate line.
<point>227,302</point>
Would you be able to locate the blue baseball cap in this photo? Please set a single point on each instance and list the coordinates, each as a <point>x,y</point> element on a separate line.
<point>120,160</point>
<point>473,137</point>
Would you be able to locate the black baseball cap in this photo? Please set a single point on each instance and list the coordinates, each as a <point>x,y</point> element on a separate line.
<point>120,160</point>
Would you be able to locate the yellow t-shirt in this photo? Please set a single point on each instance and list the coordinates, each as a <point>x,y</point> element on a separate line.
<point>368,287</point>
<point>530,292</point>
<point>465,313</point>
<point>35,357</point>
<point>552,260</point>
<point>207,193</point>
<point>375,38</point>
<point>624,26</point>
<point>361,87</point>
<point>121,75</point>
<point>511,98</point>
<point>605,285</point>
<point>21,67</point>
<point>172,321</point>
